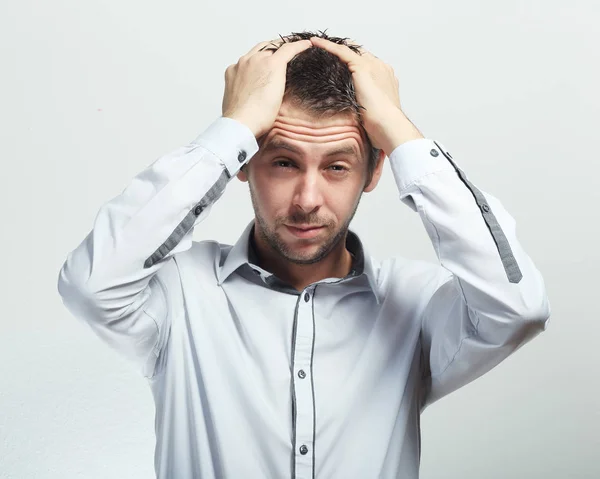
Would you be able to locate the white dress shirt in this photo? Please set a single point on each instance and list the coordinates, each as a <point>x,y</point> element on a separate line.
<point>254,379</point>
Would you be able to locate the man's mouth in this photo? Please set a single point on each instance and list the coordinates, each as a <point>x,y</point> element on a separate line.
<point>305,227</point>
<point>305,231</point>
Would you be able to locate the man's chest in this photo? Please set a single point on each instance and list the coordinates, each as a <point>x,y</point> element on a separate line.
<point>277,352</point>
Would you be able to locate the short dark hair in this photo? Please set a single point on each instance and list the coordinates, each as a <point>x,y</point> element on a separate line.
<point>320,83</point>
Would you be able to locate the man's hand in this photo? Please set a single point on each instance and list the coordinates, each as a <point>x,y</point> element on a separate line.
<point>255,85</point>
<point>376,89</point>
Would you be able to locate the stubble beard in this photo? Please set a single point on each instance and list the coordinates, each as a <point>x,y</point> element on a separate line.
<point>276,243</point>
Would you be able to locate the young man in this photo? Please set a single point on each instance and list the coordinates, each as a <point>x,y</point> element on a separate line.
<point>294,353</point>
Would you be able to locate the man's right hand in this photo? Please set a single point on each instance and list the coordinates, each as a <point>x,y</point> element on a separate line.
<point>255,85</point>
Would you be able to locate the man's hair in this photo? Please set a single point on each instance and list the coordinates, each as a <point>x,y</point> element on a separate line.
<point>320,83</point>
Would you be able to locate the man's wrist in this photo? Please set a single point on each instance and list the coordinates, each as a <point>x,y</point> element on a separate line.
<point>397,129</point>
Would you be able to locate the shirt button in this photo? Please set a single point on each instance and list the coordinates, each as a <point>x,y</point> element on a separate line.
<point>433,152</point>
<point>303,449</point>
<point>197,210</point>
<point>485,207</point>
<point>306,297</point>
<point>301,374</point>
<point>242,156</point>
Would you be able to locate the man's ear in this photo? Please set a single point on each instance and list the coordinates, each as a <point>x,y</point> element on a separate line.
<point>243,173</point>
<point>376,172</point>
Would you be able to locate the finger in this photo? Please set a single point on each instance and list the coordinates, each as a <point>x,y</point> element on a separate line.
<point>356,47</point>
<point>289,50</point>
<point>258,47</point>
<point>272,45</point>
<point>342,51</point>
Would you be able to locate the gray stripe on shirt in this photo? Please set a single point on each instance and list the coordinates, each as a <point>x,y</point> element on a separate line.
<point>506,255</point>
<point>186,224</point>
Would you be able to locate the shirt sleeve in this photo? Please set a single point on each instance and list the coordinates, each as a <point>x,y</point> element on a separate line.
<point>490,299</point>
<point>112,280</point>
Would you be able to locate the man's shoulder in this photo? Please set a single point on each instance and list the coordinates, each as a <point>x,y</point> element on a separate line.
<point>204,256</point>
<point>209,250</point>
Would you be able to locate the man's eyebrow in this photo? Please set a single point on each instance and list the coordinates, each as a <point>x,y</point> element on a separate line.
<point>278,144</point>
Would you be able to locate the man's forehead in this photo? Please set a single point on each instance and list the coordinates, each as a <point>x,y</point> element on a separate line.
<point>279,142</point>
<point>300,127</point>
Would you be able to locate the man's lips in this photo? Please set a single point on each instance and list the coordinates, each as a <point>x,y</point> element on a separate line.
<point>304,231</point>
<point>304,228</point>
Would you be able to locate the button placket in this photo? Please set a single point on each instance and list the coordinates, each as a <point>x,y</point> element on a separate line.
<point>303,386</point>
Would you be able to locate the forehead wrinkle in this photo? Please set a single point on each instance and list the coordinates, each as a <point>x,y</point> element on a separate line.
<point>300,125</point>
<point>277,143</point>
<point>315,131</point>
<point>335,121</point>
<point>315,138</point>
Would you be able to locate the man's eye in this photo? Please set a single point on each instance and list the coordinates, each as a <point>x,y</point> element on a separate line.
<point>338,168</point>
<point>282,163</point>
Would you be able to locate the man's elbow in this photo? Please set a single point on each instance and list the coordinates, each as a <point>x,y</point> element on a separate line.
<point>528,324</point>
<point>539,316</point>
<point>71,291</point>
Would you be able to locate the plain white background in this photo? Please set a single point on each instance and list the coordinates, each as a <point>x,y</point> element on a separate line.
<point>93,92</point>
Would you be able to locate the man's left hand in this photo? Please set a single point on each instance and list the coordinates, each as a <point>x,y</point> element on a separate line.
<point>376,88</point>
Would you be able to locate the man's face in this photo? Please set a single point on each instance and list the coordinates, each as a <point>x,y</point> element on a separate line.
<point>306,181</point>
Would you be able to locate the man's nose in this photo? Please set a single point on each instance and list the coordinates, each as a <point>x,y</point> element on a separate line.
<point>308,194</point>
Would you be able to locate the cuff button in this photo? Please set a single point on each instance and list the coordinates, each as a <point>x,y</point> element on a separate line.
<point>197,210</point>
<point>241,156</point>
<point>433,152</point>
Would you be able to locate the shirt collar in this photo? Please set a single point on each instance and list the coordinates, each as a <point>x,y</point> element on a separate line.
<point>243,253</point>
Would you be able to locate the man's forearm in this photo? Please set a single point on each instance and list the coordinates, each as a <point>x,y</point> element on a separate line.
<point>395,130</point>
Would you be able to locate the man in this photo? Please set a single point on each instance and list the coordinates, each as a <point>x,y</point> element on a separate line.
<point>294,353</point>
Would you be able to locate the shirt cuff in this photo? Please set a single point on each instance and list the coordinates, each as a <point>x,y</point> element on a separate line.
<point>415,159</point>
<point>229,140</point>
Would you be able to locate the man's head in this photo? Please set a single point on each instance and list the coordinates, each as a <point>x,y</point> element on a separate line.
<point>316,161</point>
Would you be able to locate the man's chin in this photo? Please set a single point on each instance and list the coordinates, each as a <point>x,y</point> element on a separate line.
<point>301,253</point>
<point>303,259</point>
<point>304,251</point>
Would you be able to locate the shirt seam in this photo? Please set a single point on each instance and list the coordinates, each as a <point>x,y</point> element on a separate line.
<point>468,336</point>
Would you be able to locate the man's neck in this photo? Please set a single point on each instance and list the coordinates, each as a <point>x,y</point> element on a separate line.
<point>336,264</point>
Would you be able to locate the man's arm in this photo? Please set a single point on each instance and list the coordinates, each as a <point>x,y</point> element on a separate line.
<point>490,298</point>
<point>111,279</point>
